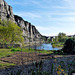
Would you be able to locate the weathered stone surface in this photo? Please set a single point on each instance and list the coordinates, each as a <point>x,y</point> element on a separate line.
<point>6,11</point>
<point>29,31</point>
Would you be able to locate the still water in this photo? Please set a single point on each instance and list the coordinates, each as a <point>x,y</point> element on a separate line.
<point>46,46</point>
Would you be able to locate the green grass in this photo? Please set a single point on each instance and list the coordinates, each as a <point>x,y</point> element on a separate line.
<point>57,45</point>
<point>8,52</point>
<point>45,51</point>
<point>31,50</point>
<point>5,64</point>
<point>5,52</point>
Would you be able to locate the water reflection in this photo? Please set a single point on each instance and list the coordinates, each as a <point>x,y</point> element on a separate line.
<point>44,46</point>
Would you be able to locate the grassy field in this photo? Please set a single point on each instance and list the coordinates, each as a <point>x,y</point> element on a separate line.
<point>5,64</point>
<point>8,52</point>
<point>57,61</point>
<point>5,53</point>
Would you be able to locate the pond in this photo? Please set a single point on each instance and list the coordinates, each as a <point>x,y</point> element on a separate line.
<point>45,46</point>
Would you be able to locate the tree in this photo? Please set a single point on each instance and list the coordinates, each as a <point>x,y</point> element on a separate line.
<point>10,32</point>
<point>61,37</point>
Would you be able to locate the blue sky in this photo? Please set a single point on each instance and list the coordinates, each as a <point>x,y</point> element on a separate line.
<point>49,16</point>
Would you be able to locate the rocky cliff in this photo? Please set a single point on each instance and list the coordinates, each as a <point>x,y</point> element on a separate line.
<point>30,33</point>
<point>6,11</point>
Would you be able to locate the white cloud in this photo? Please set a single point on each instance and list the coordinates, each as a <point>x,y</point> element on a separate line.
<point>59,7</point>
<point>54,30</point>
<point>64,19</point>
<point>64,14</point>
<point>28,14</point>
<point>45,28</point>
<point>20,3</point>
<point>48,30</point>
<point>70,3</point>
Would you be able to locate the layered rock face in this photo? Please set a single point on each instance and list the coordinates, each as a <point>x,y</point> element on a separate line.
<point>6,11</point>
<point>30,33</point>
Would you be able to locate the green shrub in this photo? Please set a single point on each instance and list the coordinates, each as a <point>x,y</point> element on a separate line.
<point>69,46</point>
<point>10,47</point>
<point>15,50</point>
<point>60,52</point>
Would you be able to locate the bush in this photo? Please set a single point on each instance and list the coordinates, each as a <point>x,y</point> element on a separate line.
<point>59,52</point>
<point>15,50</point>
<point>69,46</point>
<point>10,47</point>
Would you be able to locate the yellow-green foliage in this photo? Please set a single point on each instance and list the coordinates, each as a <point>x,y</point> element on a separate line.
<point>10,32</point>
<point>5,64</point>
<point>5,52</point>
